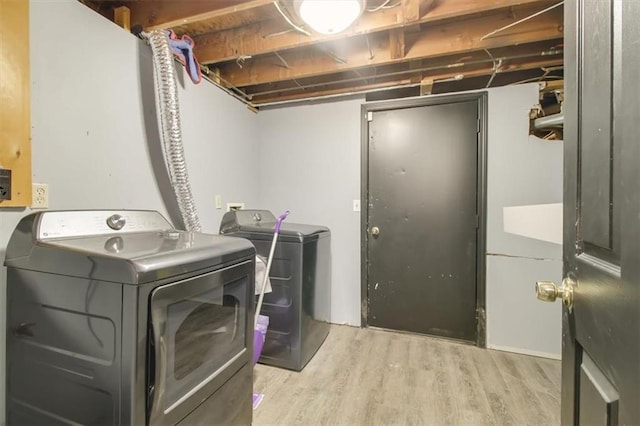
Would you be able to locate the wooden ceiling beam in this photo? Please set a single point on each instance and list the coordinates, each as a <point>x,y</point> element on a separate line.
<point>502,79</point>
<point>331,92</point>
<point>426,86</point>
<point>122,17</point>
<point>434,41</point>
<point>536,53</point>
<point>276,35</point>
<point>397,47</point>
<point>523,52</point>
<point>172,13</point>
<point>411,10</point>
<point>434,75</point>
<point>403,81</point>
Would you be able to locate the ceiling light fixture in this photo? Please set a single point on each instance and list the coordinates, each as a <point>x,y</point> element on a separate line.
<point>329,16</point>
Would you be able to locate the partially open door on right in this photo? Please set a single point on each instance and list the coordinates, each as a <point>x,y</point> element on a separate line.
<point>601,289</point>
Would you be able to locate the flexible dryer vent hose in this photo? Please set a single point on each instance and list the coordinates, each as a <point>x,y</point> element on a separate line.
<point>169,111</point>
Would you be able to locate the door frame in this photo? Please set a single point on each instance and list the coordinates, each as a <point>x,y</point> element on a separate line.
<point>570,365</point>
<point>481,249</point>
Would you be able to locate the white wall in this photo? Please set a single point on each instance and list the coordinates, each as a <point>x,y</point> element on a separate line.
<point>310,163</point>
<point>89,138</point>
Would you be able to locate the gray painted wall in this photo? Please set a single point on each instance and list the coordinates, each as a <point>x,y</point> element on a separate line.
<point>310,161</point>
<point>522,170</point>
<point>310,164</point>
<point>89,139</point>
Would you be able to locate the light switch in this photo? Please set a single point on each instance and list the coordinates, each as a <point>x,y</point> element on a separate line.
<point>218,201</point>
<point>356,205</point>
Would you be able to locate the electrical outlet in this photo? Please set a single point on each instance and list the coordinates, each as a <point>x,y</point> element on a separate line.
<point>234,206</point>
<point>40,196</point>
<point>5,184</point>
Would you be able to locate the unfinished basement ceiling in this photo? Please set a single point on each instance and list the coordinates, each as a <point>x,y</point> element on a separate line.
<point>409,47</point>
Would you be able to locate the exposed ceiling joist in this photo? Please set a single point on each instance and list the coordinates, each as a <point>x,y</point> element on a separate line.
<point>397,46</point>
<point>170,14</point>
<point>452,65</point>
<point>416,80</point>
<point>251,48</point>
<point>276,35</point>
<point>438,40</point>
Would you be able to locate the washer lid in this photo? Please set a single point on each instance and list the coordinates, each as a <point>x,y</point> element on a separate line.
<point>260,224</point>
<point>130,257</point>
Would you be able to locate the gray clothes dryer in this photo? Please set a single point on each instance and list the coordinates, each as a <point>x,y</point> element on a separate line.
<point>299,306</point>
<point>117,318</point>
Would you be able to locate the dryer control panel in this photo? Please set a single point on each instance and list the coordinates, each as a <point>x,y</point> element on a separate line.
<point>66,224</point>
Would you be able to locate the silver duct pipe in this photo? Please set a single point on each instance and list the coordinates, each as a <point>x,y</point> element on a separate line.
<point>555,120</point>
<point>169,111</point>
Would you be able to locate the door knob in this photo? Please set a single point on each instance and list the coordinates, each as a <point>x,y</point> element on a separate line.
<point>375,231</point>
<point>548,291</point>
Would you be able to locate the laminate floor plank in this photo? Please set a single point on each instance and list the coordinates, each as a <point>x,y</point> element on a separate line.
<point>494,387</point>
<point>378,377</point>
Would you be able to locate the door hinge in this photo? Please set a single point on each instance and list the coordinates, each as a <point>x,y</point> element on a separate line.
<point>370,116</point>
<point>478,125</point>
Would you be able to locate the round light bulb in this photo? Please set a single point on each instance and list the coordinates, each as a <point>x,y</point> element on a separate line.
<point>330,16</point>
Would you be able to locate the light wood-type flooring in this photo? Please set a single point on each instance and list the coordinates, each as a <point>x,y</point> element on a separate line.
<point>376,377</point>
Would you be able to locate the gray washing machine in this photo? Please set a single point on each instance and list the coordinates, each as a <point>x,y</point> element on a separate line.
<point>116,318</point>
<point>299,307</point>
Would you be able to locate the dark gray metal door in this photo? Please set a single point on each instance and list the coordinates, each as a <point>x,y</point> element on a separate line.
<point>601,331</point>
<point>422,219</point>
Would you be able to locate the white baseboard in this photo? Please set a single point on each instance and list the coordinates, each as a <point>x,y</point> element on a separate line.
<point>525,351</point>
